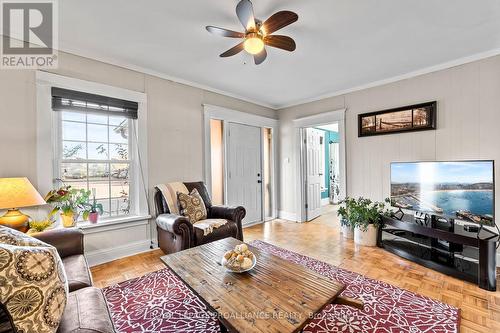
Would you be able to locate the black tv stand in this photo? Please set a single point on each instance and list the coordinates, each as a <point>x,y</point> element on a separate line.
<point>444,247</point>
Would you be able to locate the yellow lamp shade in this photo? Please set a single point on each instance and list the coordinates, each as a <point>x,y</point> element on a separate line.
<point>17,193</point>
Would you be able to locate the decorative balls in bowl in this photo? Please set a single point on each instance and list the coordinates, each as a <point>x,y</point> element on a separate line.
<point>239,260</point>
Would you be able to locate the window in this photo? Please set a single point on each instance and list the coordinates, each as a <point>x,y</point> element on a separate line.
<point>217,160</point>
<point>94,148</point>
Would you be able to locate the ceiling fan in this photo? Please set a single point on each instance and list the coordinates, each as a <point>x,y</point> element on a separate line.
<point>258,34</point>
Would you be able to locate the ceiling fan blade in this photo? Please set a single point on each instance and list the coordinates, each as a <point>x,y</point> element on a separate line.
<point>278,21</point>
<point>280,42</point>
<point>260,57</point>
<point>232,51</point>
<point>224,32</point>
<point>244,10</point>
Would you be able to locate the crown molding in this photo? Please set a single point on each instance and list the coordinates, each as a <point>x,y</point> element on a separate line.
<point>409,75</point>
<point>148,71</point>
<point>279,107</point>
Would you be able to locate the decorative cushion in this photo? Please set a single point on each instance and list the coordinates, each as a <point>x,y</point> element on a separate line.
<point>33,284</point>
<point>192,206</point>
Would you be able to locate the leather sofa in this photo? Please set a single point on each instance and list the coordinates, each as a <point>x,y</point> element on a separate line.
<point>86,309</point>
<point>176,233</point>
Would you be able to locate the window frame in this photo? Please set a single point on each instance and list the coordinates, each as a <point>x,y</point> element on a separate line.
<point>49,140</point>
<point>58,160</point>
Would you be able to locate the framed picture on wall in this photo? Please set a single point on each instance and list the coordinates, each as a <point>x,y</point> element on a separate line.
<point>419,117</point>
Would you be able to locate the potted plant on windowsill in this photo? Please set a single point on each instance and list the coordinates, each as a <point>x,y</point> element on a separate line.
<point>96,209</point>
<point>70,203</point>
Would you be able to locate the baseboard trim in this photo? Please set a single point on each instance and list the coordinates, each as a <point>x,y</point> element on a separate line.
<point>98,257</point>
<point>251,224</point>
<point>288,216</point>
<point>325,201</point>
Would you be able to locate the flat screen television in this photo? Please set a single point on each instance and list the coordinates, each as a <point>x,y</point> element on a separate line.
<point>464,190</point>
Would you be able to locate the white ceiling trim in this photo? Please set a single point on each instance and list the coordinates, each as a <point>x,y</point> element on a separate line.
<point>427,70</point>
<point>112,61</point>
<point>446,65</point>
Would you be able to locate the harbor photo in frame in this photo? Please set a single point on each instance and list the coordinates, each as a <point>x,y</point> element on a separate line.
<point>419,117</point>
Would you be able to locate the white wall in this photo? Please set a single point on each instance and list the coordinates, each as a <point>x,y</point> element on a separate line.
<point>175,134</point>
<point>467,128</point>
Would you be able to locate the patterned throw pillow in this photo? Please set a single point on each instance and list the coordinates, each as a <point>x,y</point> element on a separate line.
<point>33,285</point>
<point>192,206</point>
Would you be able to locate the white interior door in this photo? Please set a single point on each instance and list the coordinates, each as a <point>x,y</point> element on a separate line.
<point>314,176</point>
<point>244,175</point>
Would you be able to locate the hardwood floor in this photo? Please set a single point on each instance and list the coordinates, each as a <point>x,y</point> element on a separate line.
<point>320,239</point>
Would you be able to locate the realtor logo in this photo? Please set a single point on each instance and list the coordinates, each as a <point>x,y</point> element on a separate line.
<point>29,34</point>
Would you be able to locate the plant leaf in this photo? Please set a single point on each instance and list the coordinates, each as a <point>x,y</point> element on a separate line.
<point>53,211</point>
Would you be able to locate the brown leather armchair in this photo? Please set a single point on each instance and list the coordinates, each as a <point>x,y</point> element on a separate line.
<point>176,233</point>
<point>86,309</point>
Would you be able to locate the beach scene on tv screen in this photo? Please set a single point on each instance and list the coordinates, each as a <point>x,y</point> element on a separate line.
<point>463,190</point>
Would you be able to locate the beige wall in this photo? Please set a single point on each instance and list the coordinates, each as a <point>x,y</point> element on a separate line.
<point>18,124</point>
<point>175,118</point>
<point>468,116</point>
<point>174,131</point>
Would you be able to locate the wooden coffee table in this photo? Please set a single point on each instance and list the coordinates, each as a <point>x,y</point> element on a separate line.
<point>276,296</point>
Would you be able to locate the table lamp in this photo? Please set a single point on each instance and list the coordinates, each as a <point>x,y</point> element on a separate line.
<point>16,193</point>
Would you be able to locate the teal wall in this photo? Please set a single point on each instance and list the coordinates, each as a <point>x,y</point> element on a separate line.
<point>334,137</point>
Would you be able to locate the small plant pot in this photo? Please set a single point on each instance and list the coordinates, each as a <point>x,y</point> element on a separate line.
<point>93,217</point>
<point>366,238</point>
<point>347,231</point>
<point>68,219</point>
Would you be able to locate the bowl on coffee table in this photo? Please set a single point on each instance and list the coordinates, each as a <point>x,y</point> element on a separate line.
<point>239,260</point>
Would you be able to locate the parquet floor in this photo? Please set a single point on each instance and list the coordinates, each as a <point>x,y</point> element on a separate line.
<point>320,239</point>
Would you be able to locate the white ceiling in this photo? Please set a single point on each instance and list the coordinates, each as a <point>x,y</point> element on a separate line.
<point>341,44</point>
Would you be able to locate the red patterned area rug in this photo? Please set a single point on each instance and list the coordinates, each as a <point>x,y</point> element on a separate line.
<point>160,302</point>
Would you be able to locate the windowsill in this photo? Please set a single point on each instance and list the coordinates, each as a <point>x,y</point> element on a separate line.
<point>115,223</point>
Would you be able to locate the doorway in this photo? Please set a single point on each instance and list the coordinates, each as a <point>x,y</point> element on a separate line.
<point>321,168</point>
<point>321,163</point>
<point>240,163</point>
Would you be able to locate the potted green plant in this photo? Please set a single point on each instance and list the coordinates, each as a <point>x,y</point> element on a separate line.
<point>96,209</point>
<point>367,218</point>
<point>344,212</point>
<point>70,202</point>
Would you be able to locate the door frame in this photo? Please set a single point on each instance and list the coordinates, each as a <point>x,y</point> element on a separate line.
<point>233,116</point>
<point>300,125</point>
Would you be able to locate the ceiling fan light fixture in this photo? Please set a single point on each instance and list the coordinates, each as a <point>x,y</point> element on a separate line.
<point>253,43</point>
<point>258,34</point>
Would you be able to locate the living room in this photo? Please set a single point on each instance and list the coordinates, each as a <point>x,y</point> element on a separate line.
<point>130,126</point>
